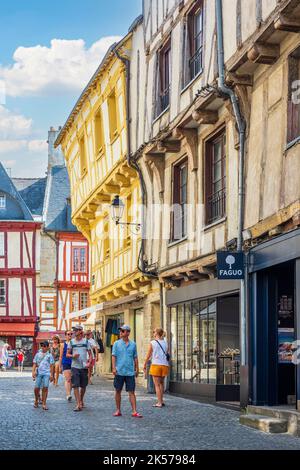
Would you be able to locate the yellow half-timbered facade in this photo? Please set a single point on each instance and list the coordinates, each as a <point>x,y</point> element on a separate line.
<point>94,142</point>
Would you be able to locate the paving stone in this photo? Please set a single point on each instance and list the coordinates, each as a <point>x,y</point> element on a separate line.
<point>182,424</point>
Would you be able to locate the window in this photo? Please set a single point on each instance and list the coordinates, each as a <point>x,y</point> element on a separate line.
<point>127,238</point>
<point>106,241</point>
<point>75,302</point>
<point>2,201</point>
<point>193,53</point>
<point>164,79</point>
<point>49,306</point>
<point>84,300</point>
<point>113,115</point>
<point>2,244</point>
<point>293,97</point>
<point>98,129</point>
<point>215,174</point>
<point>2,292</point>
<point>83,161</point>
<point>79,260</point>
<point>179,210</point>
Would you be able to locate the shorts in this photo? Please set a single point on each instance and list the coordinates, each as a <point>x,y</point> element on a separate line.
<point>42,381</point>
<point>159,370</point>
<point>79,378</point>
<point>119,381</point>
<point>66,367</point>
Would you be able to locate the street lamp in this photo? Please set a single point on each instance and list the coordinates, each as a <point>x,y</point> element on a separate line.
<point>117,211</point>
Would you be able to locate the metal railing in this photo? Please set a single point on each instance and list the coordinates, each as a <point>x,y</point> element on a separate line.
<point>195,63</point>
<point>216,206</point>
<point>163,101</point>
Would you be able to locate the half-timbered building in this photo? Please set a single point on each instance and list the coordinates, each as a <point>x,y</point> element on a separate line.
<point>19,268</point>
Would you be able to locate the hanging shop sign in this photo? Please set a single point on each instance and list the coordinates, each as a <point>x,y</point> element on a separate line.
<point>230,265</point>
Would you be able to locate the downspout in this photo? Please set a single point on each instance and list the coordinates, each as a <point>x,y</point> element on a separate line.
<point>241,125</point>
<point>134,164</point>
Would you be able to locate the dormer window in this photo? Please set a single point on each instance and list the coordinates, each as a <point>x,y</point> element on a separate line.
<point>2,201</point>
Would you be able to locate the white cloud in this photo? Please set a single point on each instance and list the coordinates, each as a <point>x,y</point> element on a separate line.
<point>13,125</point>
<point>66,65</point>
<point>32,146</point>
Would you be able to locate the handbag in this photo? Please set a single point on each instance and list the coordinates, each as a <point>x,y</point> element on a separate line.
<point>168,357</point>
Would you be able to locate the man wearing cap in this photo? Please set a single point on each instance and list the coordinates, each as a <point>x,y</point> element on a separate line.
<point>42,373</point>
<point>79,349</point>
<point>125,368</point>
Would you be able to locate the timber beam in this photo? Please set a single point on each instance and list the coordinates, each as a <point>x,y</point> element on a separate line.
<point>287,23</point>
<point>112,189</point>
<point>129,171</point>
<point>123,180</point>
<point>261,53</point>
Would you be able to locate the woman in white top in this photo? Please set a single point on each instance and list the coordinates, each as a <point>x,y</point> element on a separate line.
<point>158,350</point>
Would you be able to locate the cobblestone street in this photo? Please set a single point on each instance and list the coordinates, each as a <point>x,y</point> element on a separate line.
<point>183,424</point>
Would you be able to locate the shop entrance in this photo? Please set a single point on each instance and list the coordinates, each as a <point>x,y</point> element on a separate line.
<point>286,392</point>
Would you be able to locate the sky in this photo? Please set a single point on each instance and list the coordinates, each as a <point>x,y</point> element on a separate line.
<point>48,52</point>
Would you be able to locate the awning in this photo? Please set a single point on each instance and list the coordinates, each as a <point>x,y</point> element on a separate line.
<point>17,329</point>
<point>47,335</point>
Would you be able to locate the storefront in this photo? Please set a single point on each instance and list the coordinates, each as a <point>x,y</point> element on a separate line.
<point>204,340</point>
<point>274,321</point>
<point>20,335</point>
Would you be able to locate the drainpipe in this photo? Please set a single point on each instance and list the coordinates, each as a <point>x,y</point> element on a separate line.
<point>241,125</point>
<point>134,164</point>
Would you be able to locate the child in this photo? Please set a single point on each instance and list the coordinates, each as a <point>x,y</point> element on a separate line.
<point>43,373</point>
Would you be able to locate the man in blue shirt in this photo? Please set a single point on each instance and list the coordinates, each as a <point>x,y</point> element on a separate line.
<point>125,367</point>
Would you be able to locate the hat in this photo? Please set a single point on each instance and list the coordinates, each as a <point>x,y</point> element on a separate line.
<point>77,327</point>
<point>45,343</point>
<point>125,327</point>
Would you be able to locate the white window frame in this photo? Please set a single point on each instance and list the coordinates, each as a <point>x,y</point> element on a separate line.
<point>2,201</point>
<point>2,292</point>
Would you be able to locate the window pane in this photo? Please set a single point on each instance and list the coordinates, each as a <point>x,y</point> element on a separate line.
<point>75,302</point>
<point>188,343</point>
<point>203,341</point>
<point>228,341</point>
<point>2,251</point>
<point>173,345</point>
<point>180,364</point>
<point>212,350</point>
<point>196,351</point>
<point>82,260</point>
<point>83,300</point>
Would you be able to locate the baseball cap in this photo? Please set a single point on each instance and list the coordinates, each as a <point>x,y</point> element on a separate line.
<point>77,327</point>
<point>125,327</point>
<point>45,343</point>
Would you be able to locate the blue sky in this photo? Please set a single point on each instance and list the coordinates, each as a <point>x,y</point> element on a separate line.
<point>48,51</point>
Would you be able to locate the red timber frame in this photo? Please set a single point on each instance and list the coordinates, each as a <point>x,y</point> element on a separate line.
<point>24,274</point>
<point>70,285</point>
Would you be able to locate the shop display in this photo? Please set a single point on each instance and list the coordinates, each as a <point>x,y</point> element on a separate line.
<point>229,364</point>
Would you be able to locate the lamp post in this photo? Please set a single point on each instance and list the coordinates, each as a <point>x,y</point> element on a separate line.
<point>117,211</point>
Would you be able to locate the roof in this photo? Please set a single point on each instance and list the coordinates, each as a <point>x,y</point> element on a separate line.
<point>57,208</point>
<point>136,23</point>
<point>87,89</point>
<point>15,208</point>
<point>32,191</point>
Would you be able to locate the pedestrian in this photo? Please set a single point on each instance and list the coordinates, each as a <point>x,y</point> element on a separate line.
<point>4,356</point>
<point>79,349</point>
<point>20,359</point>
<point>65,364</point>
<point>95,353</point>
<point>42,373</point>
<point>55,351</point>
<point>125,367</point>
<point>158,350</point>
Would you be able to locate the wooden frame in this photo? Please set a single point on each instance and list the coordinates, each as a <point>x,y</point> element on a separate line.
<point>177,197</point>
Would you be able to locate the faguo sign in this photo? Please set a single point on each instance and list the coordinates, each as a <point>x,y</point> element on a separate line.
<point>230,265</point>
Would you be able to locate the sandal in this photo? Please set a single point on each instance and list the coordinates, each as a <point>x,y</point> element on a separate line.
<point>45,408</point>
<point>77,408</point>
<point>157,405</point>
<point>117,413</point>
<point>36,405</point>
<point>136,415</point>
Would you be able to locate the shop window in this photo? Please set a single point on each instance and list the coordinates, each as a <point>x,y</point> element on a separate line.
<point>83,159</point>
<point>215,178</point>
<point>228,341</point>
<point>173,343</point>
<point>293,125</point>
<point>2,201</point>
<point>188,366</point>
<point>197,358</point>
<point>2,244</point>
<point>99,134</point>
<point>179,201</point>
<point>2,292</point>
<point>180,343</point>
<point>113,115</point>
<point>193,43</point>
<point>79,259</point>
<point>163,78</point>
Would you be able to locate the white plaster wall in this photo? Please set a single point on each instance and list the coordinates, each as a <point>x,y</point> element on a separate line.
<point>14,297</point>
<point>13,249</point>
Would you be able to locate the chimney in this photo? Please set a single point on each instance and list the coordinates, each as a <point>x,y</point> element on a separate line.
<point>55,156</point>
